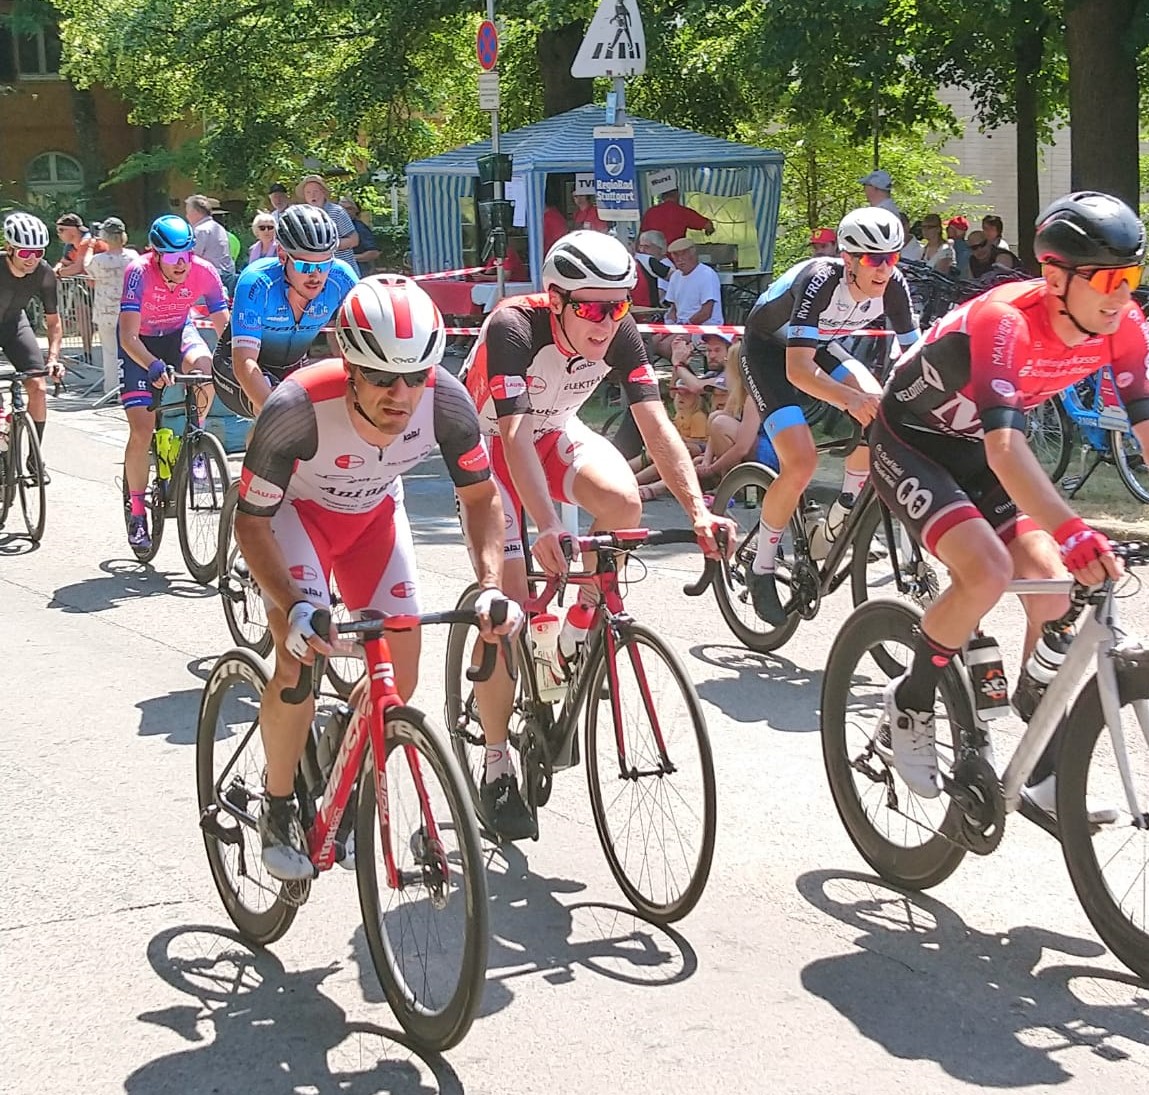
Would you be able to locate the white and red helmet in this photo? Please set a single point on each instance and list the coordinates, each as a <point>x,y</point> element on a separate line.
<point>388,322</point>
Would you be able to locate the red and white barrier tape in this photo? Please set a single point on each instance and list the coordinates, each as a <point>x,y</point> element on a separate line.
<point>449,273</point>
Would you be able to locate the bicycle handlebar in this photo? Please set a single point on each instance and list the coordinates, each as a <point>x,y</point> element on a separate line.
<point>321,625</point>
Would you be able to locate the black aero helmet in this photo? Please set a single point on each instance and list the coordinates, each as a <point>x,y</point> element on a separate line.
<point>1089,229</point>
<point>306,229</point>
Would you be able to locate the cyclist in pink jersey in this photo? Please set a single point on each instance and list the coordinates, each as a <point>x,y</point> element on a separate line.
<point>157,336</point>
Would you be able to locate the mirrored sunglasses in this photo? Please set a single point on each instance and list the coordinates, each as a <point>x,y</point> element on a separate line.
<point>595,311</point>
<point>1109,280</point>
<point>174,258</point>
<point>876,259</point>
<point>28,252</point>
<point>381,378</point>
<point>308,266</point>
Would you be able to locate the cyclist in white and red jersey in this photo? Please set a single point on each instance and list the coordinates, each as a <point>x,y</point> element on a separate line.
<point>321,492</point>
<point>157,336</point>
<point>537,360</point>
<point>950,459</point>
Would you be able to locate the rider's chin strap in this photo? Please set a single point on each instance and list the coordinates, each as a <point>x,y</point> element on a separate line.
<point>1064,298</point>
<point>359,407</point>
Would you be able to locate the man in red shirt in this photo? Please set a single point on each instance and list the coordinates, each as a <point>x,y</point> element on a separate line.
<point>672,218</point>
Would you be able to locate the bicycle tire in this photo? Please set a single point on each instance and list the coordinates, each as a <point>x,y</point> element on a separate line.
<point>926,864</point>
<point>1128,457</point>
<point>7,485</point>
<point>342,671</point>
<point>1049,432</point>
<point>260,926</point>
<point>243,607</point>
<point>731,592</point>
<point>200,550</point>
<point>1079,841</point>
<point>157,507</point>
<point>28,468</point>
<point>433,1024</point>
<point>696,856</point>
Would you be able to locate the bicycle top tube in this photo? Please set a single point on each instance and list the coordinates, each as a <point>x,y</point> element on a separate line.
<point>192,379</point>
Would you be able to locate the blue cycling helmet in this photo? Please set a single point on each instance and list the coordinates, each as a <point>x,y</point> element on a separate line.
<point>171,233</point>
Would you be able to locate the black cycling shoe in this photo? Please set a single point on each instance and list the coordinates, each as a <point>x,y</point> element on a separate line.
<point>504,810</point>
<point>764,597</point>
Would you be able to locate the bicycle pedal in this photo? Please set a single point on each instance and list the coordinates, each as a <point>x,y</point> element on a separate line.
<point>210,823</point>
<point>295,893</point>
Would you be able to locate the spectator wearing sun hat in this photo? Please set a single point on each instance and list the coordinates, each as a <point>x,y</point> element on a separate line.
<point>824,243</point>
<point>956,228</point>
<point>877,185</point>
<point>314,191</point>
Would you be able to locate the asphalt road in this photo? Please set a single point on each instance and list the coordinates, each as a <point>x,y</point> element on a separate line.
<point>797,972</point>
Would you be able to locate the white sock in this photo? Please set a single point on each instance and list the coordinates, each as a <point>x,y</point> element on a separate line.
<point>853,482</point>
<point>768,539</point>
<point>498,762</point>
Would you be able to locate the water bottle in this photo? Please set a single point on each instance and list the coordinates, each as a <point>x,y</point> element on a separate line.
<point>327,748</point>
<point>544,651</point>
<point>812,517</point>
<point>987,674</point>
<point>572,638</point>
<point>165,461</point>
<point>826,532</point>
<point>1039,670</point>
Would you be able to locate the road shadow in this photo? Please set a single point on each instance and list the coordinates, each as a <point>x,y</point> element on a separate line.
<point>255,1029</point>
<point>767,688</point>
<point>15,544</point>
<point>174,716</point>
<point>125,580</point>
<point>925,985</point>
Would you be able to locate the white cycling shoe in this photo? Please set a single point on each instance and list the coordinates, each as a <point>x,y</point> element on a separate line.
<point>912,741</point>
<point>1043,795</point>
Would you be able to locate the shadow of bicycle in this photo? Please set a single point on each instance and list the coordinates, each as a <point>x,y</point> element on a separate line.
<point>925,985</point>
<point>256,1029</point>
<point>15,544</point>
<point>125,580</point>
<point>741,697</point>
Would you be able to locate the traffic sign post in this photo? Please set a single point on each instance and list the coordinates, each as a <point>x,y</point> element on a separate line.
<point>615,179</point>
<point>487,45</point>
<point>487,51</point>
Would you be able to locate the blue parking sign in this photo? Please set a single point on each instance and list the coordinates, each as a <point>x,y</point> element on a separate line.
<point>615,180</point>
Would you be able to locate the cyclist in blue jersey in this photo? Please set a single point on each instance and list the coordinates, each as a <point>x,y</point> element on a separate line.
<point>280,305</point>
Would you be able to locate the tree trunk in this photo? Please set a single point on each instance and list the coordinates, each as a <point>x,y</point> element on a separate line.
<point>556,49</point>
<point>1029,47</point>
<point>1103,97</point>
<point>91,154</point>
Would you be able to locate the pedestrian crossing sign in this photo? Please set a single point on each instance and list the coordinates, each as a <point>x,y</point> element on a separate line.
<point>615,43</point>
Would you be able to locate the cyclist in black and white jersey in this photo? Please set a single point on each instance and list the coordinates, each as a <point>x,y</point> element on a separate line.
<point>788,347</point>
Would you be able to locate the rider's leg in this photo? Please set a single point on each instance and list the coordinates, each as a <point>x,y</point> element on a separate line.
<point>141,426</point>
<point>196,358</point>
<point>797,461</point>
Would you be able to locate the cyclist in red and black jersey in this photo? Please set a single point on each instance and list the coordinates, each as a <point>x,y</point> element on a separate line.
<point>950,459</point>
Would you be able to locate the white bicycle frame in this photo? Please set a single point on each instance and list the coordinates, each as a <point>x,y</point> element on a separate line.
<point>1099,639</point>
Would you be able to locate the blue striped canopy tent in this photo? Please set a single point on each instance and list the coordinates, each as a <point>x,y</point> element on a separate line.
<point>565,143</point>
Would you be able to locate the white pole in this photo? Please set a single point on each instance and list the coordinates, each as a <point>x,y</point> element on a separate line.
<point>498,193</point>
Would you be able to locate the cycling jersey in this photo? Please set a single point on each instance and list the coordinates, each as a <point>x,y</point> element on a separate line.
<point>305,450</point>
<point>164,307</point>
<point>262,318</point>
<point>518,367</point>
<point>983,365</point>
<point>17,293</point>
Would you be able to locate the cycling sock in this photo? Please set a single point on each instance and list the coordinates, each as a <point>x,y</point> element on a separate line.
<point>137,500</point>
<point>930,659</point>
<point>767,548</point>
<point>853,482</point>
<point>39,429</point>
<point>498,762</point>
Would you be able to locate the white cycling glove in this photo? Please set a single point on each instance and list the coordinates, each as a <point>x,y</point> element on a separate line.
<point>488,597</point>
<point>300,629</point>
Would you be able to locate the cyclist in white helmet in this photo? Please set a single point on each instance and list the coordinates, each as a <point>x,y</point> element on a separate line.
<point>537,360</point>
<point>321,492</point>
<point>24,275</point>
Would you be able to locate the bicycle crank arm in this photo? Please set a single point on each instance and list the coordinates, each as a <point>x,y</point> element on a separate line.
<point>209,823</point>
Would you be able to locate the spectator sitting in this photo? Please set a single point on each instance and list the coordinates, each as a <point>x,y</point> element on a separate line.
<point>716,349</point>
<point>938,252</point>
<point>993,227</point>
<point>912,249</point>
<point>691,422</point>
<point>106,270</point>
<point>654,270</point>
<point>266,245</point>
<point>984,256</point>
<point>824,243</point>
<point>313,190</point>
<point>877,185</point>
<point>367,249</point>
<point>956,228</point>
<point>694,295</point>
<point>672,218</point>
<point>277,196</point>
<point>211,242</point>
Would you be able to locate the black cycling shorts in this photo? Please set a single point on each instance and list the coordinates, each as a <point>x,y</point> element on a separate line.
<point>228,388</point>
<point>780,404</point>
<point>18,342</point>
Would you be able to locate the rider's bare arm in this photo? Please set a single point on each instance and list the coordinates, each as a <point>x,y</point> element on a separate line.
<point>220,320</point>
<point>1012,461</point>
<point>55,331</point>
<point>130,339</point>
<point>803,372</point>
<point>265,560</point>
<point>245,365</point>
<point>482,516</point>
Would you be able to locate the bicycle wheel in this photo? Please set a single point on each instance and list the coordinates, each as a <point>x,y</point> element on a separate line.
<point>7,484</point>
<point>651,775</point>
<point>746,485</point>
<point>899,834</point>
<point>28,467</point>
<point>1109,864</point>
<point>1130,461</point>
<point>872,563</point>
<point>157,505</point>
<point>229,776</point>
<point>1049,432</point>
<point>200,482</point>
<point>343,671</point>
<point>243,606</point>
<point>428,934</point>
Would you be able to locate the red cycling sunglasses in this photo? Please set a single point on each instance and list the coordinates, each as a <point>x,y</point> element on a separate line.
<point>595,311</point>
<point>876,259</point>
<point>1109,279</point>
<point>29,252</point>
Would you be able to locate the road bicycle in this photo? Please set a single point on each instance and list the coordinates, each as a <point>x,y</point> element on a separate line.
<point>378,786</point>
<point>245,612</point>
<point>872,550</point>
<point>188,484</point>
<point>21,464</point>
<point>649,767</point>
<point>1104,753</point>
<point>1090,413</point>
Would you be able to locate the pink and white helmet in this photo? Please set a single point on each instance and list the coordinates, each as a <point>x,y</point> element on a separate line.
<point>388,322</point>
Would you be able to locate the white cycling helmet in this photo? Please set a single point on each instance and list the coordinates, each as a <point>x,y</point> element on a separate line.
<point>589,260</point>
<point>870,230</point>
<point>388,322</point>
<point>25,230</point>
